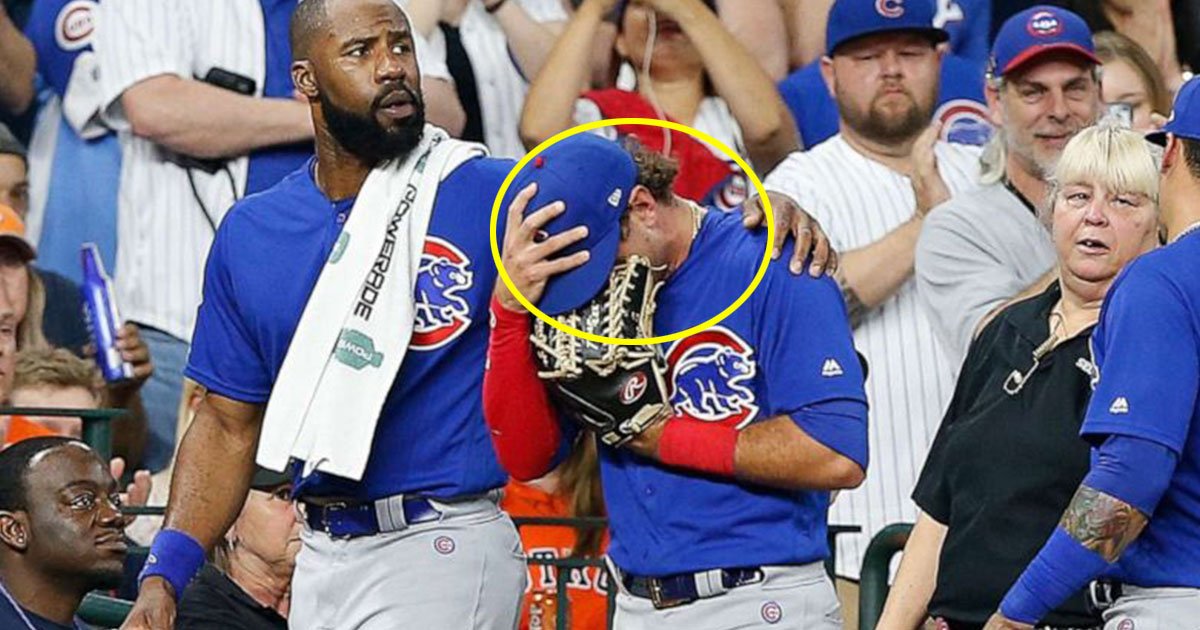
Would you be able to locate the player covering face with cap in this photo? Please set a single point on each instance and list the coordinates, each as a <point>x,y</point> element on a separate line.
<point>761,419</point>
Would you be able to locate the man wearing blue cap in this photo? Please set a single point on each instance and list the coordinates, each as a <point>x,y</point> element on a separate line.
<point>718,509</point>
<point>986,246</point>
<point>961,107</point>
<point>1136,517</point>
<point>871,187</point>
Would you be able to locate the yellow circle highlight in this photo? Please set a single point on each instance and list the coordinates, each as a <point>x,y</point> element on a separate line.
<point>696,133</point>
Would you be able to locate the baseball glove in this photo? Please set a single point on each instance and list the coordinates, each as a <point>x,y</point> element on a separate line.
<point>616,391</point>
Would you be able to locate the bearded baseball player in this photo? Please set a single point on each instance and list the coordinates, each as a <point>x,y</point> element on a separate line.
<point>376,249</point>
<point>718,450</point>
<point>1136,516</point>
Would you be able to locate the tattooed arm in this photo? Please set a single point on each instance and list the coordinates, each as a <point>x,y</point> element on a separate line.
<point>1102,523</point>
<point>870,275</point>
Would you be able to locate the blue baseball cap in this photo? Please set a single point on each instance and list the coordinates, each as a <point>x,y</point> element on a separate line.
<point>851,19</point>
<point>594,177</point>
<point>1185,115</point>
<point>1036,31</point>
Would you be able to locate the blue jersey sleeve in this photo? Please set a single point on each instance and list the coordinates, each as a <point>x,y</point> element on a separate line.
<point>811,370</point>
<point>225,356</point>
<point>1146,339</point>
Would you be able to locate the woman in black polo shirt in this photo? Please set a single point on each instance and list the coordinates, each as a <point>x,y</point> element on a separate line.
<point>1008,456</point>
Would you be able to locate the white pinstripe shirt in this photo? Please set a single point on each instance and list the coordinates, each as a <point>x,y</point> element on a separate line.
<point>858,201</point>
<point>163,234</point>
<point>499,82</point>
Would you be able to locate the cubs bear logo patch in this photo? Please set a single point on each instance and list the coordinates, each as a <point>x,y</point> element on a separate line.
<point>710,376</point>
<point>442,313</point>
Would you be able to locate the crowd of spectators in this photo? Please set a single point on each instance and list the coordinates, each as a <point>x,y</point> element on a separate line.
<point>135,124</point>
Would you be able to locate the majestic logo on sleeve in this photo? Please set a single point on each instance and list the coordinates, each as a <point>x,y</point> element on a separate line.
<point>890,8</point>
<point>75,23</point>
<point>710,376</point>
<point>964,121</point>
<point>442,314</point>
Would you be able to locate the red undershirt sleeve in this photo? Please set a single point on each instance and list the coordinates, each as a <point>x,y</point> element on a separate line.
<point>524,426</point>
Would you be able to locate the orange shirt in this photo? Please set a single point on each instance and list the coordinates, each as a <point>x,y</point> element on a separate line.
<point>586,589</point>
<point>22,428</point>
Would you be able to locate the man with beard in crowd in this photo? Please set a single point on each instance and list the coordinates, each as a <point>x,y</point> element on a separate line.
<point>61,532</point>
<point>990,245</point>
<point>409,535</point>
<point>871,187</point>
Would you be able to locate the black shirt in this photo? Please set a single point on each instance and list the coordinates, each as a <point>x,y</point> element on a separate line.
<point>1003,467</point>
<point>213,602</point>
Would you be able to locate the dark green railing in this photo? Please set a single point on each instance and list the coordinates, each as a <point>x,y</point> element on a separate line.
<point>874,578</point>
<point>103,611</point>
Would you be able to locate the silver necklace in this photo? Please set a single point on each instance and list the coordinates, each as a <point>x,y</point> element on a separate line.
<point>1187,230</point>
<point>21,611</point>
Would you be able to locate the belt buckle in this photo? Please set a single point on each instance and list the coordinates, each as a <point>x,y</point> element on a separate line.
<point>325,511</point>
<point>656,596</point>
<point>1102,594</point>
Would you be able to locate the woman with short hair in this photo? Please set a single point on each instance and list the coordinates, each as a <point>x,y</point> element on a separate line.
<point>1008,456</point>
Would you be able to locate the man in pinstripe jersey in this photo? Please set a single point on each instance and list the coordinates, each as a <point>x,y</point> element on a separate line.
<point>871,187</point>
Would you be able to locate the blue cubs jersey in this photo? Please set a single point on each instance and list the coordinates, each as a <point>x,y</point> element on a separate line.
<point>961,106</point>
<point>1147,347</point>
<point>269,251</point>
<point>81,205</point>
<point>786,351</point>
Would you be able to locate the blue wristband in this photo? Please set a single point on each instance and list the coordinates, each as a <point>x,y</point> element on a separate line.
<point>175,557</point>
<point>1061,569</point>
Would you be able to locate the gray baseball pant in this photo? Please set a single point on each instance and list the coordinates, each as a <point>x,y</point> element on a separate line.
<point>466,571</point>
<point>1154,609</point>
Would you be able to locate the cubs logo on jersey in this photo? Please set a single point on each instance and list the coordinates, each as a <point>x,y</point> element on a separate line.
<point>75,23</point>
<point>442,313</point>
<point>710,376</point>
<point>964,121</point>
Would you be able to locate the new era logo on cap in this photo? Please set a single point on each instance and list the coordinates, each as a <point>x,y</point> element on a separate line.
<point>614,199</point>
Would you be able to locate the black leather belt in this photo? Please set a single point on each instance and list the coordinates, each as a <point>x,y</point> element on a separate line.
<point>350,520</point>
<point>685,588</point>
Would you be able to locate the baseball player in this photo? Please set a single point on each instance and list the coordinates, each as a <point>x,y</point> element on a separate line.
<point>871,187</point>
<point>418,541</point>
<point>717,510</point>
<point>1136,517</point>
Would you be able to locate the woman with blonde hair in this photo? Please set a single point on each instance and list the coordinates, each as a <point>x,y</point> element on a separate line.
<point>1008,456</point>
<point>1131,78</point>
